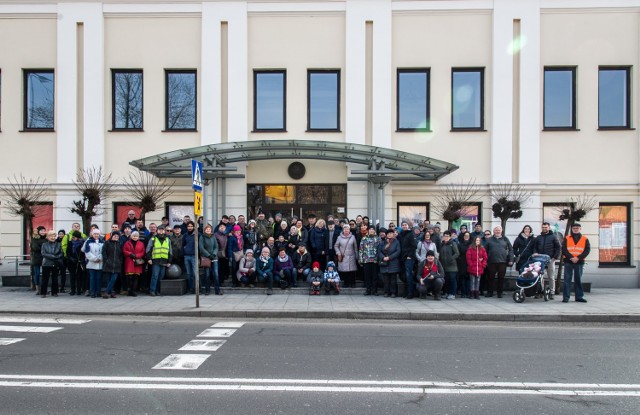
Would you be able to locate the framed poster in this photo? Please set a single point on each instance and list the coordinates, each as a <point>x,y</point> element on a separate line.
<point>120,211</point>
<point>415,212</point>
<point>43,217</point>
<point>178,210</point>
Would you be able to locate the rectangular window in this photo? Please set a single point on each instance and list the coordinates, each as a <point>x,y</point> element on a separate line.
<point>180,100</point>
<point>560,98</point>
<point>413,100</point>
<point>323,100</point>
<point>551,213</point>
<point>39,100</point>
<point>467,99</point>
<point>269,100</point>
<point>126,99</point>
<point>413,212</point>
<point>614,97</point>
<point>613,230</point>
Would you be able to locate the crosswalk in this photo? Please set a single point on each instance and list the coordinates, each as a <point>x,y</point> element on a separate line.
<point>202,343</point>
<point>35,325</point>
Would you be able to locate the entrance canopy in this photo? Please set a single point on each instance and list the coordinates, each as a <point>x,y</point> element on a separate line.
<point>381,165</point>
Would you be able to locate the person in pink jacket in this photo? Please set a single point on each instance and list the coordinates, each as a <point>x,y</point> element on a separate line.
<point>476,262</point>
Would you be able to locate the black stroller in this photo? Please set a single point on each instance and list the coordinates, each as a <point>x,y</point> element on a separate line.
<point>528,284</point>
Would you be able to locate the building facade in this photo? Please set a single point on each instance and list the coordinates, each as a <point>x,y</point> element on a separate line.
<point>534,92</point>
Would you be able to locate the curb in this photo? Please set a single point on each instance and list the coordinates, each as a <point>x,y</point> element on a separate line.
<point>364,315</point>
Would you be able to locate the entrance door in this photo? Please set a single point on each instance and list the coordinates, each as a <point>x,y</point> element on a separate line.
<point>297,200</point>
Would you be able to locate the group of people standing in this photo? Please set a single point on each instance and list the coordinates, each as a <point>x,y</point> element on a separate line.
<point>326,254</point>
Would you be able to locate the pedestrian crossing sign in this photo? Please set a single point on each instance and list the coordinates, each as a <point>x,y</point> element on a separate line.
<point>196,175</point>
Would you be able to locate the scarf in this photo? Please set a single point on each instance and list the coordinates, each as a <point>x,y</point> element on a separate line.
<point>285,259</point>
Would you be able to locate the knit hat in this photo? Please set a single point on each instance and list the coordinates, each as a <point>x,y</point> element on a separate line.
<point>117,233</point>
<point>430,253</point>
<point>96,230</point>
<point>331,264</point>
<point>236,228</point>
<point>63,232</point>
<point>248,251</point>
<point>76,234</point>
<point>315,265</point>
<point>252,221</point>
<point>382,230</point>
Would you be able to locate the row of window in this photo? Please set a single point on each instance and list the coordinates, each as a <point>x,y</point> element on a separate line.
<point>413,104</point>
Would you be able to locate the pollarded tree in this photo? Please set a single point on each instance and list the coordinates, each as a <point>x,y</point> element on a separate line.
<point>93,184</point>
<point>509,199</point>
<point>22,197</point>
<point>147,191</point>
<point>454,201</point>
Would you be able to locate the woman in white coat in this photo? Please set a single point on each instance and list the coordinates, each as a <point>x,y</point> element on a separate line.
<point>346,249</point>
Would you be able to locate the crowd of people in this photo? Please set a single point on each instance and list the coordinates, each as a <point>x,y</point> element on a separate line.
<point>326,255</point>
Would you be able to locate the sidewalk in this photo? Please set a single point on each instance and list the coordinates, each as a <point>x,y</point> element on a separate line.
<point>605,305</point>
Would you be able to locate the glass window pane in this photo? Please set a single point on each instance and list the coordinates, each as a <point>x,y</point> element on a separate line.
<point>127,100</point>
<point>269,101</point>
<point>274,194</point>
<point>551,213</point>
<point>323,101</point>
<point>558,98</point>
<point>40,100</point>
<point>413,100</point>
<point>613,224</point>
<point>181,100</point>
<point>612,98</point>
<point>467,96</point>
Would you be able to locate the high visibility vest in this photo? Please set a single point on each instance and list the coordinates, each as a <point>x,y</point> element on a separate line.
<point>160,249</point>
<point>576,249</point>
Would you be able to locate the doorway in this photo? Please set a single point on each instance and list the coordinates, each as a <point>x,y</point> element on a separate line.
<point>298,200</point>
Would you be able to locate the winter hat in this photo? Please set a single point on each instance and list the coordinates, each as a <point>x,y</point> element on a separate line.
<point>331,264</point>
<point>249,251</point>
<point>371,227</point>
<point>382,230</point>
<point>236,228</point>
<point>161,227</point>
<point>96,230</point>
<point>77,234</point>
<point>63,232</point>
<point>252,221</point>
<point>41,228</point>
<point>315,265</point>
<point>573,226</point>
<point>116,233</point>
<point>430,253</point>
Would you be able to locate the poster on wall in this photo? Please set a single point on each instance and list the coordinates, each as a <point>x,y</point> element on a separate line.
<point>413,213</point>
<point>43,217</point>
<point>121,212</point>
<point>177,211</point>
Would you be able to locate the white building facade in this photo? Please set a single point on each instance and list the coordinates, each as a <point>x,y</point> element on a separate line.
<point>535,92</point>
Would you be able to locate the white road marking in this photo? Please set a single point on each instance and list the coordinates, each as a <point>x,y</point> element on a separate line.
<point>217,333</point>
<point>6,341</point>
<point>182,361</point>
<point>331,389</point>
<point>28,329</point>
<point>30,320</point>
<point>229,324</point>
<point>203,345</point>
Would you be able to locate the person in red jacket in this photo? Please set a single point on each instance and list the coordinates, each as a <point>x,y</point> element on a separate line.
<point>134,256</point>
<point>476,263</point>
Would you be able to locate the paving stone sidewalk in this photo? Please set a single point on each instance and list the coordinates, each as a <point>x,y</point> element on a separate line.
<point>605,305</point>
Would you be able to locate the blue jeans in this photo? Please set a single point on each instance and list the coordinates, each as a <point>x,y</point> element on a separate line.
<point>157,274</point>
<point>190,265</point>
<point>111,280</point>
<point>209,274</point>
<point>268,277</point>
<point>410,284</point>
<point>36,274</point>
<point>95,281</point>
<point>573,271</point>
<point>452,277</point>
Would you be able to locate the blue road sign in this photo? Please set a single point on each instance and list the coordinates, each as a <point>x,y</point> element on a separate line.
<point>196,175</point>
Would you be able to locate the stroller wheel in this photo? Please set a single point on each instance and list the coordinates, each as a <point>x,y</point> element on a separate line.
<point>518,296</point>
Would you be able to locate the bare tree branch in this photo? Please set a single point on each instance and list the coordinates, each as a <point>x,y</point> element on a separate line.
<point>147,191</point>
<point>454,200</point>
<point>93,184</point>
<point>22,196</point>
<point>509,199</point>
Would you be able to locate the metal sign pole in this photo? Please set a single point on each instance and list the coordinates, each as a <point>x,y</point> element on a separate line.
<point>197,269</point>
<point>197,184</point>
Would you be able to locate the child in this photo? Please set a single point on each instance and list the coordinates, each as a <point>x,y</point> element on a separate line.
<point>315,278</point>
<point>331,279</point>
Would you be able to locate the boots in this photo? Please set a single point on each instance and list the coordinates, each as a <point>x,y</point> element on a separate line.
<point>37,289</point>
<point>133,285</point>
<point>476,295</point>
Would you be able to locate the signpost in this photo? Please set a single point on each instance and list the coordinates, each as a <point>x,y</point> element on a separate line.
<point>196,179</point>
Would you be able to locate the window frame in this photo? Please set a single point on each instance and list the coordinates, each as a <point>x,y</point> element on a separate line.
<point>481,71</point>
<point>256,73</point>
<point>426,211</point>
<point>427,72</point>
<point>310,72</point>
<point>574,101</point>
<point>168,72</point>
<point>25,105</point>
<point>627,263</point>
<point>114,72</point>
<point>628,91</point>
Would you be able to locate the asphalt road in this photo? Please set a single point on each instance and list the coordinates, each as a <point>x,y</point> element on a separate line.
<point>123,365</point>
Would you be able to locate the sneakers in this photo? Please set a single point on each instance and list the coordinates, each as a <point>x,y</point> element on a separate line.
<point>269,291</point>
<point>565,300</point>
<point>580,300</point>
<point>451,297</point>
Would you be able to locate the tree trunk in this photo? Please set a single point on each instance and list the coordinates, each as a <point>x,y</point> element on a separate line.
<point>561,267</point>
<point>503,223</point>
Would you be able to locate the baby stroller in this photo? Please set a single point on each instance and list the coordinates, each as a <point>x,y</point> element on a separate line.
<point>530,282</point>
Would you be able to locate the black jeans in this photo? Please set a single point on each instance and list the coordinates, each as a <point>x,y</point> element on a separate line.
<point>371,277</point>
<point>390,283</point>
<point>46,273</point>
<point>499,268</point>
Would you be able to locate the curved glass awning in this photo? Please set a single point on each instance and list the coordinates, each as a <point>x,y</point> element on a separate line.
<point>380,163</point>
